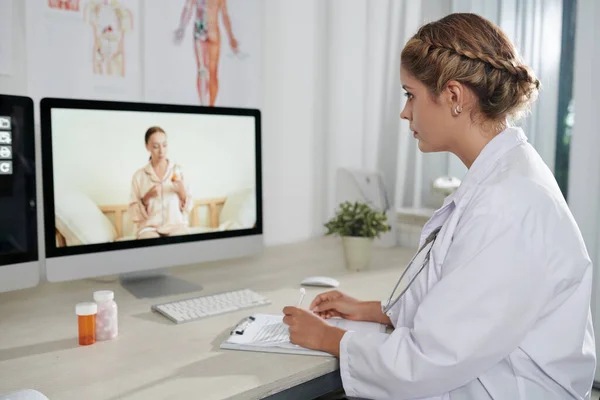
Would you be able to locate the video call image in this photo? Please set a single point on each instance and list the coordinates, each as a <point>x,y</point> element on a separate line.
<point>124,175</point>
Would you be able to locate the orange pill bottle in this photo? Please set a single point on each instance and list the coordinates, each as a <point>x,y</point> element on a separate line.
<point>86,322</point>
<point>177,175</point>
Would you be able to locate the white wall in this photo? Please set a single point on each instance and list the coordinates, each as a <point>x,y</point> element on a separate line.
<point>16,83</point>
<point>347,89</point>
<point>97,152</point>
<point>293,100</point>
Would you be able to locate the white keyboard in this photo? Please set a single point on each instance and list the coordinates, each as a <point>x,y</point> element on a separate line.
<point>195,308</point>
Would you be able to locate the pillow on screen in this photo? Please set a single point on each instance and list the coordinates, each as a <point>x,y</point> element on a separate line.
<point>80,220</point>
<point>239,210</point>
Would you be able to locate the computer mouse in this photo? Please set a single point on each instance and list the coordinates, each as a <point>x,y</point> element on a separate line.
<point>320,281</point>
<point>27,394</point>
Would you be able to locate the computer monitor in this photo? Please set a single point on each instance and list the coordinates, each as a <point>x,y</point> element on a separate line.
<point>130,188</point>
<point>19,261</point>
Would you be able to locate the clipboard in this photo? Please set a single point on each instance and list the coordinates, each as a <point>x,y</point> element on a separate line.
<point>267,333</point>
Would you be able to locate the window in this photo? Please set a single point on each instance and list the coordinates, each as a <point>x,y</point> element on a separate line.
<point>566,108</point>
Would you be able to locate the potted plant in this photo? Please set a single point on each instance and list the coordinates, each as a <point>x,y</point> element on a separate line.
<point>358,225</point>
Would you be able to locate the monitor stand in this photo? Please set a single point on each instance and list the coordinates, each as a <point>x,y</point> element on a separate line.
<point>152,284</point>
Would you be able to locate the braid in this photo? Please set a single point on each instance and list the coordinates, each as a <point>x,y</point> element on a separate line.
<point>475,52</point>
<point>510,66</point>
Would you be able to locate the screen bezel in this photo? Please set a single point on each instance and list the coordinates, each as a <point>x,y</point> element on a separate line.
<point>49,104</point>
<point>7,104</point>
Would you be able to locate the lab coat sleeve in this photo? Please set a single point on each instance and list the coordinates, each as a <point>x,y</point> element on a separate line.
<point>396,314</point>
<point>476,315</point>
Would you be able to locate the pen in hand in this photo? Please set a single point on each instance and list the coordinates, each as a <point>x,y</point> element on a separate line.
<point>302,293</point>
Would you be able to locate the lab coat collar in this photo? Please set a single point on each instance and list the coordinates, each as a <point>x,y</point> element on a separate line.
<point>506,140</point>
<point>482,166</point>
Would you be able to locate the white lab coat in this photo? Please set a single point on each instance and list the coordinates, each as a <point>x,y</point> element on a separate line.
<point>502,310</point>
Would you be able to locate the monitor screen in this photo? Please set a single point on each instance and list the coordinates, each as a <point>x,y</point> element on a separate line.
<point>126,175</point>
<point>18,213</point>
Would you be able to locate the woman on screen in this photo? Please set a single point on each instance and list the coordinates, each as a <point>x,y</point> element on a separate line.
<point>160,198</point>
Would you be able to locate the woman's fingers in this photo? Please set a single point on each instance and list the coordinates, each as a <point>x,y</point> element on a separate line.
<point>327,296</point>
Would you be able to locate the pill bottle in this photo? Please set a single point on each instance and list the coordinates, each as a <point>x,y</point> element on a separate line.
<point>107,317</point>
<point>86,322</point>
<point>177,175</point>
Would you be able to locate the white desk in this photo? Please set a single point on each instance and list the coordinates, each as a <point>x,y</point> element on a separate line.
<point>155,359</point>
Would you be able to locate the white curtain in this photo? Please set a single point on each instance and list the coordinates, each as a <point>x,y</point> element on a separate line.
<point>535,26</point>
<point>362,95</point>
<point>332,100</point>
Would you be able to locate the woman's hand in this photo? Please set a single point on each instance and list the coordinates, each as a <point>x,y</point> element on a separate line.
<point>312,332</point>
<point>178,35</point>
<point>337,304</point>
<point>153,192</point>
<point>180,189</point>
<point>233,43</point>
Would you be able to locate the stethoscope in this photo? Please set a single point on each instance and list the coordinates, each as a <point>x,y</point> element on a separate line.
<point>430,240</point>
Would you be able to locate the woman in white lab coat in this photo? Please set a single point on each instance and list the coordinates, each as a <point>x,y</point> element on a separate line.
<point>501,308</point>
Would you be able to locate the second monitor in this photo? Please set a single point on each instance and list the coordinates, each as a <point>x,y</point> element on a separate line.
<point>19,256</point>
<point>132,187</point>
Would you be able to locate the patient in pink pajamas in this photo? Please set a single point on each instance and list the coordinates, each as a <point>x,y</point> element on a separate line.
<point>160,200</point>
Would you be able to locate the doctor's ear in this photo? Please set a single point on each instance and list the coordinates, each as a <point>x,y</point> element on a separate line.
<point>455,96</point>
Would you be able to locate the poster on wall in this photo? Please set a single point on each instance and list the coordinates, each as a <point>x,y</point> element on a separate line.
<point>83,49</point>
<point>203,52</point>
<point>6,56</point>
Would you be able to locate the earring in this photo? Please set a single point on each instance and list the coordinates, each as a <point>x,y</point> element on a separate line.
<point>457,110</point>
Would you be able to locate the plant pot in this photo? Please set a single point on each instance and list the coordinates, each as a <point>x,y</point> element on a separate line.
<point>358,252</point>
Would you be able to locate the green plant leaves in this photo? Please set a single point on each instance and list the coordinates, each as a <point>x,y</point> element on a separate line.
<point>357,219</point>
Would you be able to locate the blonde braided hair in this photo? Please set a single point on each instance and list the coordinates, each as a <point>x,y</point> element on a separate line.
<point>472,50</point>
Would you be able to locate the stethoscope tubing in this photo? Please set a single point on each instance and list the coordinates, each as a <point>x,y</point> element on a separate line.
<point>430,240</point>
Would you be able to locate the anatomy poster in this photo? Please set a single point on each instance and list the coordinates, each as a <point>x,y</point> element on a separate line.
<point>6,27</point>
<point>83,49</point>
<point>68,5</point>
<point>203,52</point>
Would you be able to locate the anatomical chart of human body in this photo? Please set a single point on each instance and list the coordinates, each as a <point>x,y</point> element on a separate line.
<point>67,5</point>
<point>111,24</point>
<point>203,52</point>
<point>84,49</point>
